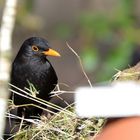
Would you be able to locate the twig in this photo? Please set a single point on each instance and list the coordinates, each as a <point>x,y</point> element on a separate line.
<point>80,63</point>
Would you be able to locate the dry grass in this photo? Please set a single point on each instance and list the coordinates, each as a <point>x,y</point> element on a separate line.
<point>132,73</point>
<point>62,125</point>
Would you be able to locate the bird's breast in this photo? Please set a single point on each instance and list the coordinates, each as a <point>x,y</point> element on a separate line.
<point>41,75</point>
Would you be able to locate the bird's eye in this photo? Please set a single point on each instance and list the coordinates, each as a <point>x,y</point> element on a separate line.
<point>35,48</point>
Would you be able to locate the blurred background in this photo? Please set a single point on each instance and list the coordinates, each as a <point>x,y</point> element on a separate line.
<point>105,33</point>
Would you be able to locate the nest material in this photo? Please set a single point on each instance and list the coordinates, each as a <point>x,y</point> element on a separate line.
<point>130,74</point>
<point>62,126</point>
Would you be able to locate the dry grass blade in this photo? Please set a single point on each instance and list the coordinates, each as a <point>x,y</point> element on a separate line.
<point>33,100</point>
<point>80,63</point>
<point>58,89</point>
<point>17,117</point>
<point>59,92</point>
<point>45,103</point>
<point>21,123</point>
<point>62,125</point>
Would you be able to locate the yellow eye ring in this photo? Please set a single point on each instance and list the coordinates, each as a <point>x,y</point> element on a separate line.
<point>35,48</point>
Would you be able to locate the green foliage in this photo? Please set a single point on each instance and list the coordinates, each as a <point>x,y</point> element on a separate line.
<point>117,32</point>
<point>118,58</point>
<point>94,25</point>
<point>91,60</point>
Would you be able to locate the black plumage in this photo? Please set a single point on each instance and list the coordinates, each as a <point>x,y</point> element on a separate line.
<point>32,66</point>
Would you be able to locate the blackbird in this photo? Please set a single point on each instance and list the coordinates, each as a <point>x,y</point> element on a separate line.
<point>32,67</point>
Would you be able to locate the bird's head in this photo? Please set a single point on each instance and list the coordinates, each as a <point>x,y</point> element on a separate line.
<point>36,46</point>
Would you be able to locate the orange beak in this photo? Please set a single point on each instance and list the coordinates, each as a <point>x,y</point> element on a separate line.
<point>51,52</point>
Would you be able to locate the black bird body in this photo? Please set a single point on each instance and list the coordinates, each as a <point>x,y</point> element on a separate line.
<point>40,73</point>
<point>32,66</point>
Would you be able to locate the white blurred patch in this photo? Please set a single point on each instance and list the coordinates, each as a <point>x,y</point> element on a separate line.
<point>3,105</point>
<point>120,99</point>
